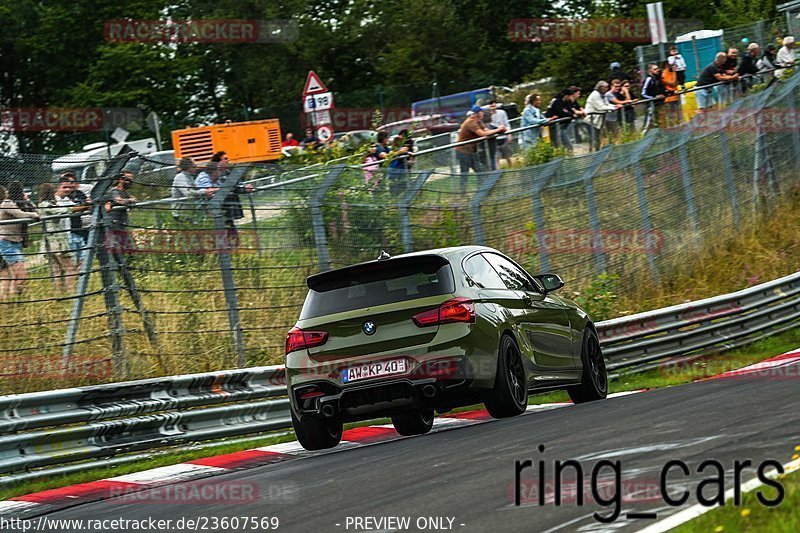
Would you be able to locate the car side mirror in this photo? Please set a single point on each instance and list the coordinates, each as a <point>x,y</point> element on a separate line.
<point>550,282</point>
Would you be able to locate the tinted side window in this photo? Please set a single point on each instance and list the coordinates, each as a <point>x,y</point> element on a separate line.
<point>482,272</point>
<point>512,276</point>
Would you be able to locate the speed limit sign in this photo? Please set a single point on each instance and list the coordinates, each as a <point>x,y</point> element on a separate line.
<point>324,132</point>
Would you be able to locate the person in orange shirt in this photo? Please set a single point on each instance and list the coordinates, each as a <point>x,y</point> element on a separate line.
<point>672,102</point>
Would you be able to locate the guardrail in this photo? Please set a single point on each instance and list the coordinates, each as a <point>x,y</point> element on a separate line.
<point>49,428</point>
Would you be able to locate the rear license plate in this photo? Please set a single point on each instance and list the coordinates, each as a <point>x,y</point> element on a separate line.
<point>374,370</point>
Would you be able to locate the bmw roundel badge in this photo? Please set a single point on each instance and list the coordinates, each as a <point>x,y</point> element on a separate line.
<point>369,327</point>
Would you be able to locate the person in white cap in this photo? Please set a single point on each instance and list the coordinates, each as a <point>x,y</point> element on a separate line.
<point>785,55</point>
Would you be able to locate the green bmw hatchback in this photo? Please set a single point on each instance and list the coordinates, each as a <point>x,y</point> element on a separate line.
<point>408,335</point>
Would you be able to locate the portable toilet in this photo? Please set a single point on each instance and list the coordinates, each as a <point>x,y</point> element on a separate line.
<point>699,48</point>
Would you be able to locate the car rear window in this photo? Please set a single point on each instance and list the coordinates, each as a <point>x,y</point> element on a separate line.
<point>377,283</point>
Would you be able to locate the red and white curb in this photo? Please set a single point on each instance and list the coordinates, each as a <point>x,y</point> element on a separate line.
<point>50,500</point>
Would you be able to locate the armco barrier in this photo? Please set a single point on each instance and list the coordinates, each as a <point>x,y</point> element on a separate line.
<point>70,425</point>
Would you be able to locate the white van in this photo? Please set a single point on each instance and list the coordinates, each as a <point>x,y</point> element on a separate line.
<point>90,163</point>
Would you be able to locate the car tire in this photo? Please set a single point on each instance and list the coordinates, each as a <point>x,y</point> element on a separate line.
<point>316,433</point>
<point>594,378</point>
<point>509,397</point>
<point>413,422</point>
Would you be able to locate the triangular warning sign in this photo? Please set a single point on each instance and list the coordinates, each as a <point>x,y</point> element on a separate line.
<point>314,85</point>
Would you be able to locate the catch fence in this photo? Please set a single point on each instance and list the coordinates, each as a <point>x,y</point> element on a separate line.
<point>216,281</point>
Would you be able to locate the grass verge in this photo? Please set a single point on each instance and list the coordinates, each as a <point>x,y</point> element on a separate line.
<point>677,375</point>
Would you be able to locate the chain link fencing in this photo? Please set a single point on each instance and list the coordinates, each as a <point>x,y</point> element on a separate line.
<point>215,281</point>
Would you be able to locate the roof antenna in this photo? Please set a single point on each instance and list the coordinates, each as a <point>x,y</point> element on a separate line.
<point>384,255</point>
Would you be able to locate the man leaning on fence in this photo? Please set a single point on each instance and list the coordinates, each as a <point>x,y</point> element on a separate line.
<point>183,190</point>
<point>472,128</point>
<point>748,66</point>
<point>712,74</point>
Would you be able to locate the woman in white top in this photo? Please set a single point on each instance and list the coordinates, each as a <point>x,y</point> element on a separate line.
<point>55,242</point>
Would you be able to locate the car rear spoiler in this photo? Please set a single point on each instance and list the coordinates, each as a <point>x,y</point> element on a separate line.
<point>374,271</point>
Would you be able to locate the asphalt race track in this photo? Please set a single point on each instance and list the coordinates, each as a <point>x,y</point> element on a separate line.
<point>463,478</point>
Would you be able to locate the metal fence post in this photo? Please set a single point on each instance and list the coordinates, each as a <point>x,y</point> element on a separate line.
<point>594,216</point>
<point>475,204</point>
<point>255,222</point>
<point>108,271</point>
<point>93,240</point>
<point>224,234</point>
<point>688,190</point>
<point>727,164</point>
<point>403,207</point>
<point>641,197</point>
<point>537,184</point>
<point>317,220</point>
<point>792,101</point>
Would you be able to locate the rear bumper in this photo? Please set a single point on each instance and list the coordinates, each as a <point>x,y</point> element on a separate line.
<point>380,398</point>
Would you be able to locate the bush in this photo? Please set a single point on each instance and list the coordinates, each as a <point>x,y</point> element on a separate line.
<point>599,299</point>
<point>541,153</point>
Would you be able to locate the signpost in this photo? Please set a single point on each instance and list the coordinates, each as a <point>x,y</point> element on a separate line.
<point>318,104</point>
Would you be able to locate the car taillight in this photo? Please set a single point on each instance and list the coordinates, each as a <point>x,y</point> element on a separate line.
<point>297,339</point>
<point>454,310</point>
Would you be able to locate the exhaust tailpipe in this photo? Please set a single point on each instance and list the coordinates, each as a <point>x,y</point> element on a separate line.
<point>328,410</point>
<point>429,391</point>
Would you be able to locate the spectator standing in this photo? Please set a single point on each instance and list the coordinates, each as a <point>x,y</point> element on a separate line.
<point>747,68</point>
<point>653,90</point>
<point>472,128</point>
<point>12,237</point>
<point>498,117</point>
<point>786,56</point>
<point>371,169</point>
<point>208,180</point>
<point>614,97</point>
<point>627,95</point>
<point>678,64</point>
<point>78,224</point>
<point>597,109</point>
<point>232,203</point>
<point>310,141</point>
<point>731,65</point>
<point>672,104</point>
<point>183,189</point>
<point>289,141</point>
<point>119,196</point>
<point>290,145</point>
<point>398,166</point>
<point>55,236</point>
<point>618,73</point>
<point>562,108</point>
<point>766,65</point>
<point>713,73</point>
<point>532,116</point>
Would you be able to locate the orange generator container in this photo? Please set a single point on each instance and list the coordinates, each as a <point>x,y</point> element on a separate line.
<point>243,142</point>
